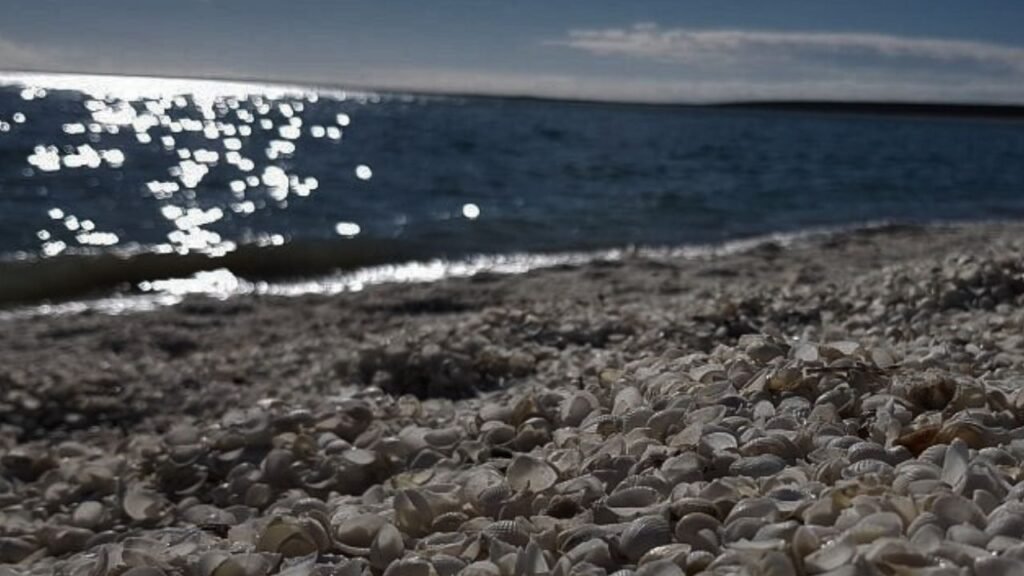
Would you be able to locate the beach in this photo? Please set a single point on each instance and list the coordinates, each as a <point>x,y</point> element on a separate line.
<point>840,404</point>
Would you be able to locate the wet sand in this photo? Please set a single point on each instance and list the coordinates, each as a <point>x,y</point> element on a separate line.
<point>912,301</point>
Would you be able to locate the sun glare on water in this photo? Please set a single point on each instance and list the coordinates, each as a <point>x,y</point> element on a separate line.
<point>172,115</point>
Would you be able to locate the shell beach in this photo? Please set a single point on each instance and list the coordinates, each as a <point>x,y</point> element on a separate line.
<point>836,406</point>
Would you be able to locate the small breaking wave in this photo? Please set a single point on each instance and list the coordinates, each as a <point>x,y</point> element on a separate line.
<point>112,284</point>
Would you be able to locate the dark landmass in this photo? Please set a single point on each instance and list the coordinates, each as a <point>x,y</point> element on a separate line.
<point>958,110</point>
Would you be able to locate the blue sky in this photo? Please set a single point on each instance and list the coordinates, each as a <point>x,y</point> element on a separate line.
<point>694,51</point>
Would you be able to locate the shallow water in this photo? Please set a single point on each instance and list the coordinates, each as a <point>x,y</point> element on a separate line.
<point>278,182</point>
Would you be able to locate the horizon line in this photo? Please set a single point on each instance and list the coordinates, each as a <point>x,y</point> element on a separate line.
<point>854,105</point>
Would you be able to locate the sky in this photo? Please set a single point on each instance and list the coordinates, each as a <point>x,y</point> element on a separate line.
<point>628,50</point>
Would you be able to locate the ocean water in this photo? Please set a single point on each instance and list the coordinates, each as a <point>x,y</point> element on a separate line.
<point>113,185</point>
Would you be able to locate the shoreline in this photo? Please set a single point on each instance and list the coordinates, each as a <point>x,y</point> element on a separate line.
<point>224,419</point>
<point>325,269</point>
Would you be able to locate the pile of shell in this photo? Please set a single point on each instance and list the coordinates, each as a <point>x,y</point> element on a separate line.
<point>764,458</point>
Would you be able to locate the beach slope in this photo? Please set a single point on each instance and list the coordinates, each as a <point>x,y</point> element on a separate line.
<point>862,389</point>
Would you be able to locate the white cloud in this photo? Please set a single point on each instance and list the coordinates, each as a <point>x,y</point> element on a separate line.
<point>718,47</point>
<point>14,56</point>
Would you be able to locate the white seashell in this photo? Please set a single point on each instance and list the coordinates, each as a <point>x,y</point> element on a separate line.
<point>764,410</point>
<point>985,500</point>
<point>804,542</point>
<point>628,504</point>
<point>629,398</point>
<point>954,465</point>
<point>413,514</point>
<point>928,538</point>
<point>451,543</point>
<point>760,508</point>
<point>594,551</point>
<point>636,418</point>
<point>577,407</point>
<point>689,505</point>
<point>446,565</point>
<point>875,526</point>
<point>358,531</point>
<point>717,442</point>
<point>490,500</point>
<point>864,467</point>
<point>643,534</point>
<point>676,553</point>
<point>291,537</point>
<point>897,454</point>
<point>688,528</point>
<point>387,547</point>
<point>528,473</point>
<point>89,514</point>
<point>830,557</point>
<point>925,487</point>
<point>497,433</point>
<point>967,534</point>
<point>1006,520</point>
<point>686,467</point>
<point>742,529</point>
<point>895,552</point>
<point>508,531</point>
<point>660,568</point>
<point>633,497</point>
<point>481,568</point>
<point>531,562</point>
<point>917,470</point>
<point>952,509</point>
<point>444,438</point>
<point>757,466</point>
<point>962,554</point>
<point>667,422</point>
<point>142,504</point>
<point>995,566</point>
<point>866,450</point>
<point>706,415</point>
<point>777,531</point>
<point>935,454</point>
<point>148,571</point>
<point>411,566</point>
<point>219,563</point>
<point>1001,544</point>
<point>772,444</point>
<point>923,519</point>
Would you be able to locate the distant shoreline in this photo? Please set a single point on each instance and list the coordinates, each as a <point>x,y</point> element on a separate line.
<point>870,107</point>
<point>960,110</point>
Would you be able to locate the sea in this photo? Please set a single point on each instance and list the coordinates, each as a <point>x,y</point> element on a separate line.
<point>124,193</point>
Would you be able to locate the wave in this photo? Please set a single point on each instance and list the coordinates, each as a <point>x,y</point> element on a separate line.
<point>115,284</point>
<point>76,275</point>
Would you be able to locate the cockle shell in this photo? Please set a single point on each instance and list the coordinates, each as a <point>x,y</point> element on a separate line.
<point>528,473</point>
<point>386,547</point>
<point>644,534</point>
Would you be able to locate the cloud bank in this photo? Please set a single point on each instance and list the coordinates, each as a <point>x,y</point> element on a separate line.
<point>648,41</point>
<point>739,64</point>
